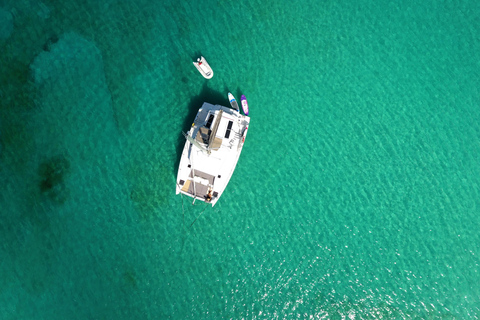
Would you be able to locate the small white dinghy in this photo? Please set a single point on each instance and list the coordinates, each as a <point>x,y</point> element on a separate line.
<point>203,67</point>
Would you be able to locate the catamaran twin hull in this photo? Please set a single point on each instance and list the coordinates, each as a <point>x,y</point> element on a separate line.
<point>211,152</point>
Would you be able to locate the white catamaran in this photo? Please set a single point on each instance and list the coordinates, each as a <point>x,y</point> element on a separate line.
<point>211,152</point>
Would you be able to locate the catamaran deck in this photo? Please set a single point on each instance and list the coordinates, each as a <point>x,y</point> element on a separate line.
<point>211,153</point>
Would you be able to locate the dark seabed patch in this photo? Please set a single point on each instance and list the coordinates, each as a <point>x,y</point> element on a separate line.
<point>52,174</point>
<point>130,278</point>
<point>153,194</point>
<point>50,42</point>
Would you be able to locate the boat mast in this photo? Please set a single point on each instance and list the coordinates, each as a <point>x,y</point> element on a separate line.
<point>194,142</point>
<point>193,178</point>
<point>214,130</point>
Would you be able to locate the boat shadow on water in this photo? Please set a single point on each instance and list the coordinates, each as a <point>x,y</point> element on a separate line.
<point>206,95</point>
<point>196,55</point>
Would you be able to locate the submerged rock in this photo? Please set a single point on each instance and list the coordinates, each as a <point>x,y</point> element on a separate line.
<point>6,24</point>
<point>1,143</point>
<point>74,118</point>
<point>50,42</point>
<point>69,58</point>
<point>74,111</point>
<point>52,174</point>
<point>42,10</point>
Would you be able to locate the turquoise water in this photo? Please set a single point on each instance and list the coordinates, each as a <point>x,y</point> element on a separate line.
<point>357,195</point>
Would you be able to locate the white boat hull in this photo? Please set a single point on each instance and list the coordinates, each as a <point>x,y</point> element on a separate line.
<point>203,67</point>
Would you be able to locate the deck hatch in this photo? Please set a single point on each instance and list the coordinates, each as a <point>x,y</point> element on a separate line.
<point>229,129</point>
<point>209,121</point>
